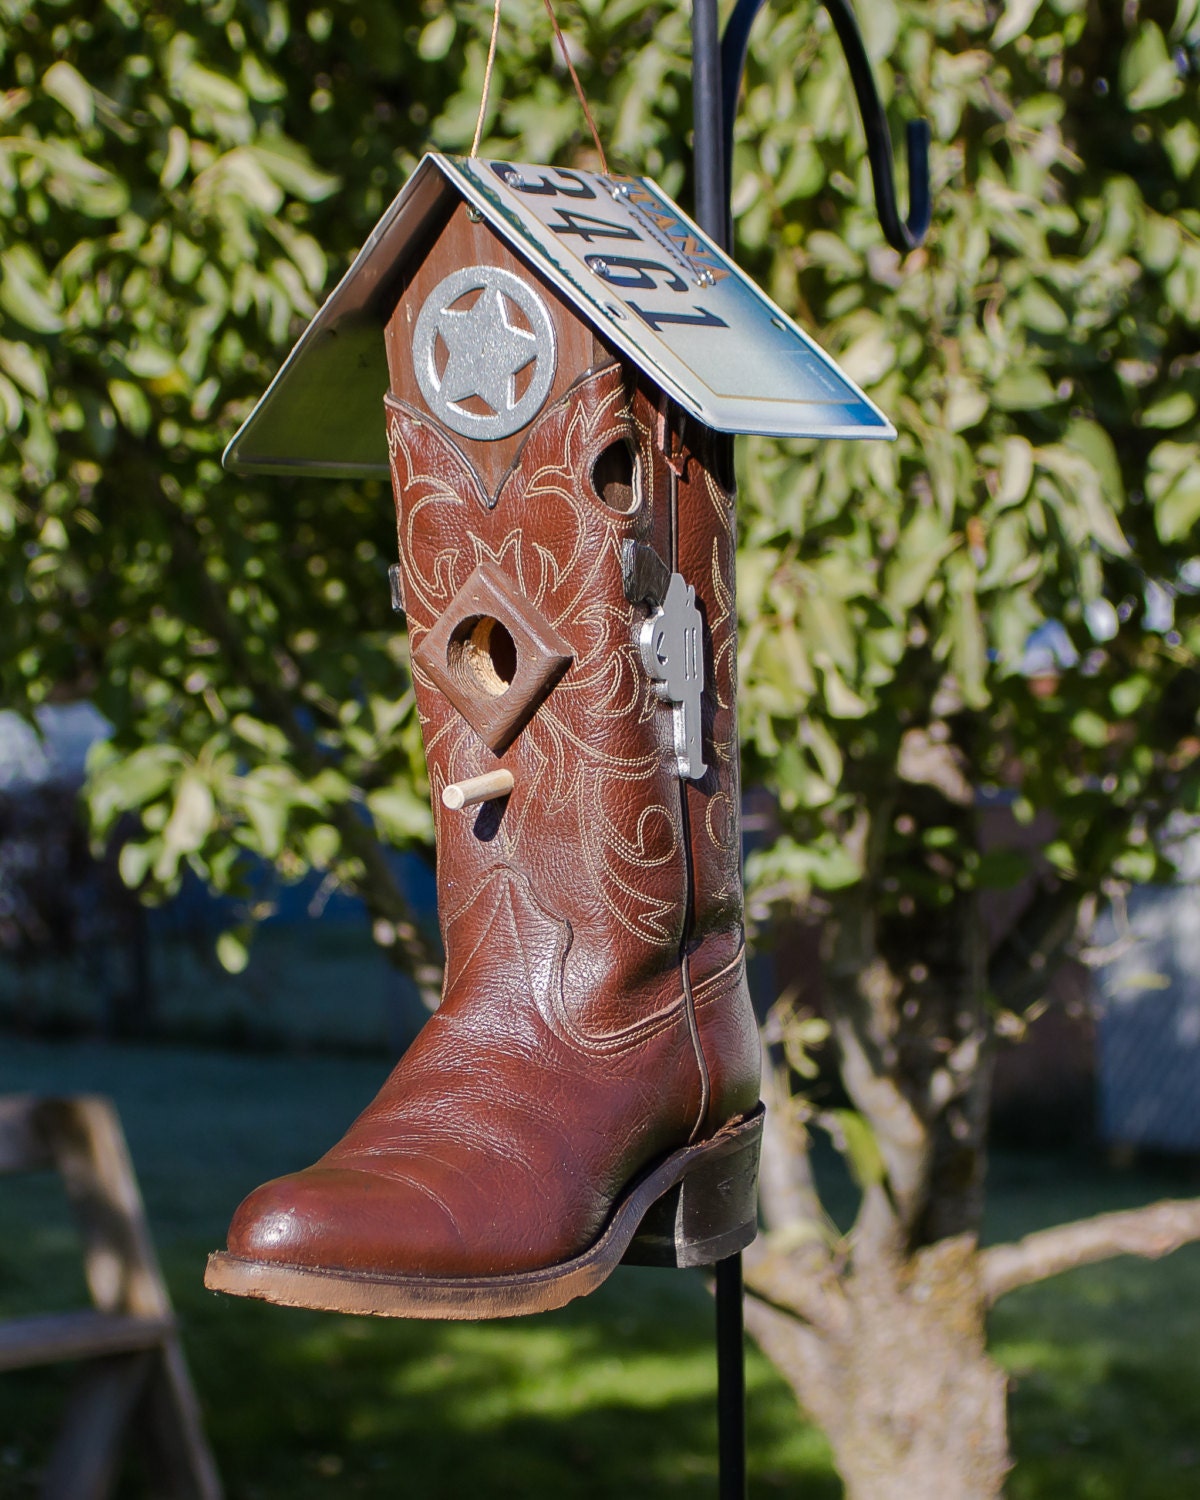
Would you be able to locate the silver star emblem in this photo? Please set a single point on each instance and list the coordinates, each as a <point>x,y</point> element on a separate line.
<point>487,351</point>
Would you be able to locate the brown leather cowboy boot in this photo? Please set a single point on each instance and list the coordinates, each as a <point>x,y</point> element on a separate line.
<point>588,1089</point>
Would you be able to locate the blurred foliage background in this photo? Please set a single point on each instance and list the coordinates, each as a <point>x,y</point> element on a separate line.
<point>179,186</point>
<point>1002,608</point>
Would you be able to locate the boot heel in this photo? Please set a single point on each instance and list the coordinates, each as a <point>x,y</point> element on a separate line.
<point>712,1211</point>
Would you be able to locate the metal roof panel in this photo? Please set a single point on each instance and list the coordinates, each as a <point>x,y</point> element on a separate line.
<point>622,254</point>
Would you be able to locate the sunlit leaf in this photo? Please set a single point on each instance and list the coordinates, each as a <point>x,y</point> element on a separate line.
<point>233,954</point>
<point>66,84</point>
<point>1149,75</point>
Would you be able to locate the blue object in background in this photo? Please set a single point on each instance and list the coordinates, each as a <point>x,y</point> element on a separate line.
<point>1147,1002</point>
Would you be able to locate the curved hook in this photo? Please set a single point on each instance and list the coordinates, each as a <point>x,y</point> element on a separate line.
<point>902,234</point>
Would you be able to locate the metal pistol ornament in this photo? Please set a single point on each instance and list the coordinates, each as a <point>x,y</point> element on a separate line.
<point>673,654</point>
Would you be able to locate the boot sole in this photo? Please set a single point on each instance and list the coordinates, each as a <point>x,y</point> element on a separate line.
<point>693,1209</point>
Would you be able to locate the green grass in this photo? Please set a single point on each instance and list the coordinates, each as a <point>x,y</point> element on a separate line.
<point>612,1396</point>
<point>1104,1361</point>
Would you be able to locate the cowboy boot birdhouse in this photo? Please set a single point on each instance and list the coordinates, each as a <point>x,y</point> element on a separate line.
<point>548,364</point>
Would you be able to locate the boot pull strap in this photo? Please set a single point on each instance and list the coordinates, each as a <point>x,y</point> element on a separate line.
<point>667,440</point>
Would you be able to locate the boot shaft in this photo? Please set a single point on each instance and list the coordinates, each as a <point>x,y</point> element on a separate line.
<point>593,827</point>
<point>524,624</point>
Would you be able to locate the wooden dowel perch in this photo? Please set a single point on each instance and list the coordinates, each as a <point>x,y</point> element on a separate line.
<point>477,789</point>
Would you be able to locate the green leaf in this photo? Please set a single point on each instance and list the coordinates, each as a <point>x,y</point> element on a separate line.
<point>331,787</point>
<point>233,952</point>
<point>19,361</point>
<point>73,180</point>
<point>135,860</point>
<point>831,250</point>
<point>294,172</point>
<point>817,738</point>
<point>923,544</point>
<point>26,293</point>
<point>968,643</point>
<point>12,408</point>
<point>1023,388</point>
<point>871,354</point>
<point>1139,866</point>
<point>1174,410</point>
<point>192,816</point>
<point>1089,491</point>
<point>434,41</point>
<point>1014,22</point>
<point>119,784</point>
<point>1148,74</point>
<point>305,253</point>
<point>1182,145</point>
<point>265,737</point>
<point>1128,696</point>
<point>260,82</point>
<point>1173,485</point>
<point>1062,857</point>
<point>1090,728</point>
<point>1040,311</point>
<point>1016,470</point>
<point>825,863</point>
<point>853,1136</point>
<point>130,404</point>
<point>202,88</point>
<point>966,405</point>
<point>149,361</point>
<point>401,816</point>
<point>321,844</point>
<point>1001,869</point>
<point>266,806</point>
<point>841,701</point>
<point>177,158</point>
<point>62,82</point>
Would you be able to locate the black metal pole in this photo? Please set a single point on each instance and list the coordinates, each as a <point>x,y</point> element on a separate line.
<point>712,214</point>
<point>731,1382</point>
<point>708,150</point>
<point>716,79</point>
<point>902,234</point>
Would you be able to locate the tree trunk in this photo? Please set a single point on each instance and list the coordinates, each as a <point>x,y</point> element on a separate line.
<point>902,1384</point>
<point>882,1335</point>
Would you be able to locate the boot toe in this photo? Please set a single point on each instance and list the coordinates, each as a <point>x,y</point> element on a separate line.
<point>346,1220</point>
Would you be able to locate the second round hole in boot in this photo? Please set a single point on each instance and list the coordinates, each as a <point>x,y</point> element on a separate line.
<point>615,477</point>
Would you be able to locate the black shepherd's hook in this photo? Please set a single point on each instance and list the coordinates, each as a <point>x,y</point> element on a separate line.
<point>715,107</point>
<point>717,64</point>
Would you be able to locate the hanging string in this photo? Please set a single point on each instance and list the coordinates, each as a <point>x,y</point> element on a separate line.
<point>487,79</point>
<point>566,56</point>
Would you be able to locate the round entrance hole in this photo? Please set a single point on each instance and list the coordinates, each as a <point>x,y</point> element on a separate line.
<point>615,477</point>
<point>483,656</point>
